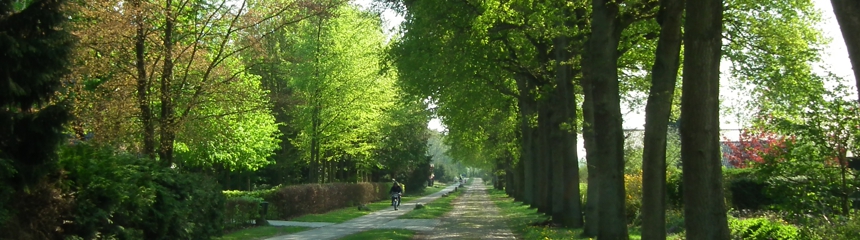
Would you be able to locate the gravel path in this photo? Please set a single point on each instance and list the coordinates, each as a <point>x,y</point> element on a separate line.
<point>474,216</point>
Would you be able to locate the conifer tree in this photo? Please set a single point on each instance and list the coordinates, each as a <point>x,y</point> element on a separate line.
<point>34,50</point>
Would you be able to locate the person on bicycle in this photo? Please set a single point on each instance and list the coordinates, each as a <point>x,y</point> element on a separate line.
<point>396,188</point>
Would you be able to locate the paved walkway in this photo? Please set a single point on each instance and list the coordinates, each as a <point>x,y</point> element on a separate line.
<point>386,218</point>
<point>474,216</point>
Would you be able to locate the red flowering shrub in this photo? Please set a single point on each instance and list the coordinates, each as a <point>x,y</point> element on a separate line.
<point>754,146</point>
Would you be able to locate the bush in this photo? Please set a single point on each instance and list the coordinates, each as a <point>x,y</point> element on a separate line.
<point>675,221</point>
<point>834,228</point>
<point>125,197</point>
<point>633,198</point>
<point>762,229</point>
<point>241,211</point>
<point>675,189</point>
<point>297,200</point>
<point>37,213</point>
<point>744,190</point>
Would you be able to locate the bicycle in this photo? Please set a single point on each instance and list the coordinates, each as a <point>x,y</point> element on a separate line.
<point>395,200</point>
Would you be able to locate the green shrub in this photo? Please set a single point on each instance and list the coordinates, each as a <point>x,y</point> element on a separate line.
<point>633,196</point>
<point>675,221</point>
<point>37,213</point>
<point>125,197</point>
<point>241,211</point>
<point>762,229</point>
<point>675,189</point>
<point>744,190</point>
<point>829,228</point>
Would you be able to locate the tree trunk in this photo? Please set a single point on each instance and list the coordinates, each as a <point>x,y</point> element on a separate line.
<point>704,205</point>
<point>567,206</point>
<point>657,110</point>
<point>168,134</point>
<point>526,109</point>
<point>519,179</point>
<point>544,158</point>
<point>602,51</point>
<point>143,83</point>
<point>591,160</point>
<point>848,16</point>
<point>554,148</point>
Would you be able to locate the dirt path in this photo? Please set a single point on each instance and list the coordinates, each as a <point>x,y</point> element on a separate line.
<point>474,216</point>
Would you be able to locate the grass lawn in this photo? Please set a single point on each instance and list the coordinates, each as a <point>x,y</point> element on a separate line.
<point>520,218</point>
<point>433,209</point>
<point>346,214</point>
<point>393,234</point>
<point>260,232</point>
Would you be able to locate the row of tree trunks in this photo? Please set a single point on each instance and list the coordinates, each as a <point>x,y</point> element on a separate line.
<point>547,169</point>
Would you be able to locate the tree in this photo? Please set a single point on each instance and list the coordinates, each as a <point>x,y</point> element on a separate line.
<point>341,87</point>
<point>606,28</point>
<point>34,58</point>
<point>704,205</point>
<point>34,61</point>
<point>657,112</point>
<point>181,72</point>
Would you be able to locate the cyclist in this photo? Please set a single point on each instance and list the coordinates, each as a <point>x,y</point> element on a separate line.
<point>395,188</point>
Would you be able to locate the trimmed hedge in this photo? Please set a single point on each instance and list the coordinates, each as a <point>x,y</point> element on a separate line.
<point>241,211</point>
<point>288,202</point>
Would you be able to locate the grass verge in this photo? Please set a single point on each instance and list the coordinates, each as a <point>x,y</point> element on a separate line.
<point>521,218</point>
<point>346,214</point>
<point>260,232</point>
<point>433,209</point>
<point>394,234</point>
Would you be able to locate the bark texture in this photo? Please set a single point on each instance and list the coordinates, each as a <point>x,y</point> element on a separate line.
<point>657,110</point>
<point>602,51</point>
<point>704,205</point>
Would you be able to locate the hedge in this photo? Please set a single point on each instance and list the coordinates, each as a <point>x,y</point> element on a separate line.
<point>288,202</point>
<point>241,211</point>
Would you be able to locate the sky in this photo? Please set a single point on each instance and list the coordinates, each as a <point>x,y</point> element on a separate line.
<point>835,57</point>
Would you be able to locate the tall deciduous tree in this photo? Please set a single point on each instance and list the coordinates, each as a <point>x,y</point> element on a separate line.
<point>657,111</point>
<point>342,92</point>
<point>603,67</point>
<point>179,71</point>
<point>704,205</point>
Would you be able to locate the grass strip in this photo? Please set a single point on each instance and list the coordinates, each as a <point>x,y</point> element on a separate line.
<point>393,234</point>
<point>521,219</point>
<point>346,214</point>
<point>434,209</point>
<point>261,232</point>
